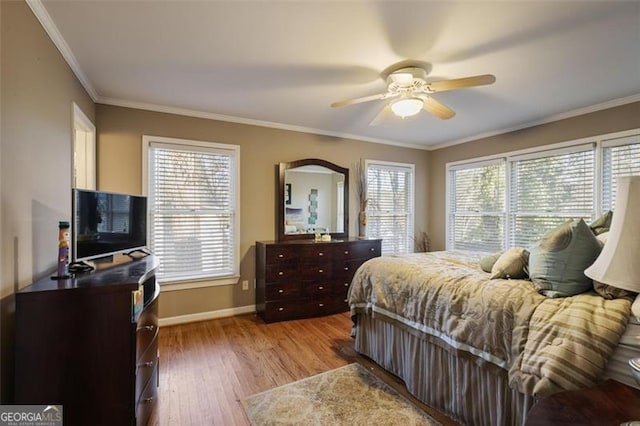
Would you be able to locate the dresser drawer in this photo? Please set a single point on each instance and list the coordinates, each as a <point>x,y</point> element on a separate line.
<point>284,290</point>
<point>146,328</point>
<point>145,367</point>
<point>321,270</point>
<point>317,289</point>
<point>344,270</point>
<point>281,272</point>
<point>281,310</point>
<point>325,306</point>
<point>317,252</point>
<point>365,249</point>
<point>148,399</point>
<point>341,288</point>
<point>282,254</point>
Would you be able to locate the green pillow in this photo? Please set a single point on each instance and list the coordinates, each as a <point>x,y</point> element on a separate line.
<point>557,262</point>
<point>486,263</point>
<point>602,224</point>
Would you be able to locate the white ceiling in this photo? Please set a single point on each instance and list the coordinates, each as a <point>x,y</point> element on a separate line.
<point>282,63</point>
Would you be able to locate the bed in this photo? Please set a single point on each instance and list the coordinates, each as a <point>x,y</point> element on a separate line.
<point>482,350</point>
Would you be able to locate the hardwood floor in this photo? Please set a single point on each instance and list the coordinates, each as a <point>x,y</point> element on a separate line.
<point>207,367</point>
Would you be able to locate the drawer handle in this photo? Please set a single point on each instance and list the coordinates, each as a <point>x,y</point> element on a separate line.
<point>321,304</point>
<point>372,249</point>
<point>281,256</point>
<point>346,268</point>
<point>148,400</point>
<point>147,364</point>
<point>346,300</point>
<point>321,254</point>
<point>281,291</point>
<point>320,270</point>
<point>320,287</point>
<point>280,309</point>
<point>147,328</point>
<point>281,273</point>
<point>346,252</point>
<point>346,284</point>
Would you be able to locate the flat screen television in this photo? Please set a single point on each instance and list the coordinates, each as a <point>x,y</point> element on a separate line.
<point>107,223</point>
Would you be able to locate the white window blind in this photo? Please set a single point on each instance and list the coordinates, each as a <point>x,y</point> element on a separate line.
<point>477,206</point>
<point>548,189</point>
<point>390,209</point>
<point>193,210</point>
<point>620,157</point>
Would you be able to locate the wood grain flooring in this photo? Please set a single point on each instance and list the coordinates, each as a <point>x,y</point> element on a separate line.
<point>207,367</point>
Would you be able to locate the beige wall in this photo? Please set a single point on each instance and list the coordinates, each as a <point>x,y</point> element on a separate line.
<point>120,133</point>
<point>38,89</point>
<point>607,121</point>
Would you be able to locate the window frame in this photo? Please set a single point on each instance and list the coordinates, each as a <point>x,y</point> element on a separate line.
<point>597,143</point>
<point>409,243</point>
<point>452,167</point>
<point>206,146</point>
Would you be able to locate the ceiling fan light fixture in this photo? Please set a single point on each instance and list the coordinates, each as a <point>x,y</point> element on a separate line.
<point>407,107</point>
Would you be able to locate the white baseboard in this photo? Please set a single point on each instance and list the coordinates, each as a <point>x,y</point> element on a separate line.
<point>203,316</point>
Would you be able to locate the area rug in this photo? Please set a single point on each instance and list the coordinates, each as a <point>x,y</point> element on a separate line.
<point>349,395</point>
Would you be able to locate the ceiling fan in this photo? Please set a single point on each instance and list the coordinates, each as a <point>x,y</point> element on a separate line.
<point>410,91</point>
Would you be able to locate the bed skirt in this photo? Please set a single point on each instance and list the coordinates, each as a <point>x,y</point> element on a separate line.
<point>464,387</point>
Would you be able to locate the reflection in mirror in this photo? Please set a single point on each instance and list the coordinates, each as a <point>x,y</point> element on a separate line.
<point>314,199</point>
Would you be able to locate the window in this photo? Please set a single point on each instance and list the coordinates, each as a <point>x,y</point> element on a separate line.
<point>477,206</point>
<point>390,194</point>
<point>547,189</point>
<point>193,207</point>
<point>620,157</point>
<point>512,200</point>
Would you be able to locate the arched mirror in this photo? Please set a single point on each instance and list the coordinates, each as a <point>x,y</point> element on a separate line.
<point>313,196</point>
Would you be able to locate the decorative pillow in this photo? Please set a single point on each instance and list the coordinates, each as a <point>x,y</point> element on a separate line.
<point>511,264</point>
<point>487,262</point>
<point>557,262</point>
<point>610,292</point>
<point>601,224</point>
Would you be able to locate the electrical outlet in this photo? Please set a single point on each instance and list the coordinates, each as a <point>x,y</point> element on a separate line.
<point>245,285</point>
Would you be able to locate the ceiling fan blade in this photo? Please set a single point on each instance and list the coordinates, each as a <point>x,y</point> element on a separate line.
<point>360,100</point>
<point>382,115</point>
<point>437,108</point>
<point>459,83</point>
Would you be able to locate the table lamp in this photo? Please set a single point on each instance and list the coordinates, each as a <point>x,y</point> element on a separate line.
<point>618,262</point>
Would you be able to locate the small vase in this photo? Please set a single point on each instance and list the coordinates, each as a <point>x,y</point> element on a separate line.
<point>362,225</point>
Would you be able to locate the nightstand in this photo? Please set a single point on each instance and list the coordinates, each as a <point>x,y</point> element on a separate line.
<point>609,403</point>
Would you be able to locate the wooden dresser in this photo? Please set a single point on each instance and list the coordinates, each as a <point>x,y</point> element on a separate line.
<point>304,278</point>
<point>90,344</point>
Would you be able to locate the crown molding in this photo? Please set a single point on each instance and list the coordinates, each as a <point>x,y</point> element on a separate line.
<point>47,23</point>
<point>249,121</point>
<point>555,117</point>
<point>51,29</point>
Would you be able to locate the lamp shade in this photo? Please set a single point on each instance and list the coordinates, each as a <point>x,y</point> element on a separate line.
<point>619,261</point>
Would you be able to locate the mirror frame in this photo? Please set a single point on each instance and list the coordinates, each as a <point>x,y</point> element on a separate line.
<point>282,168</point>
